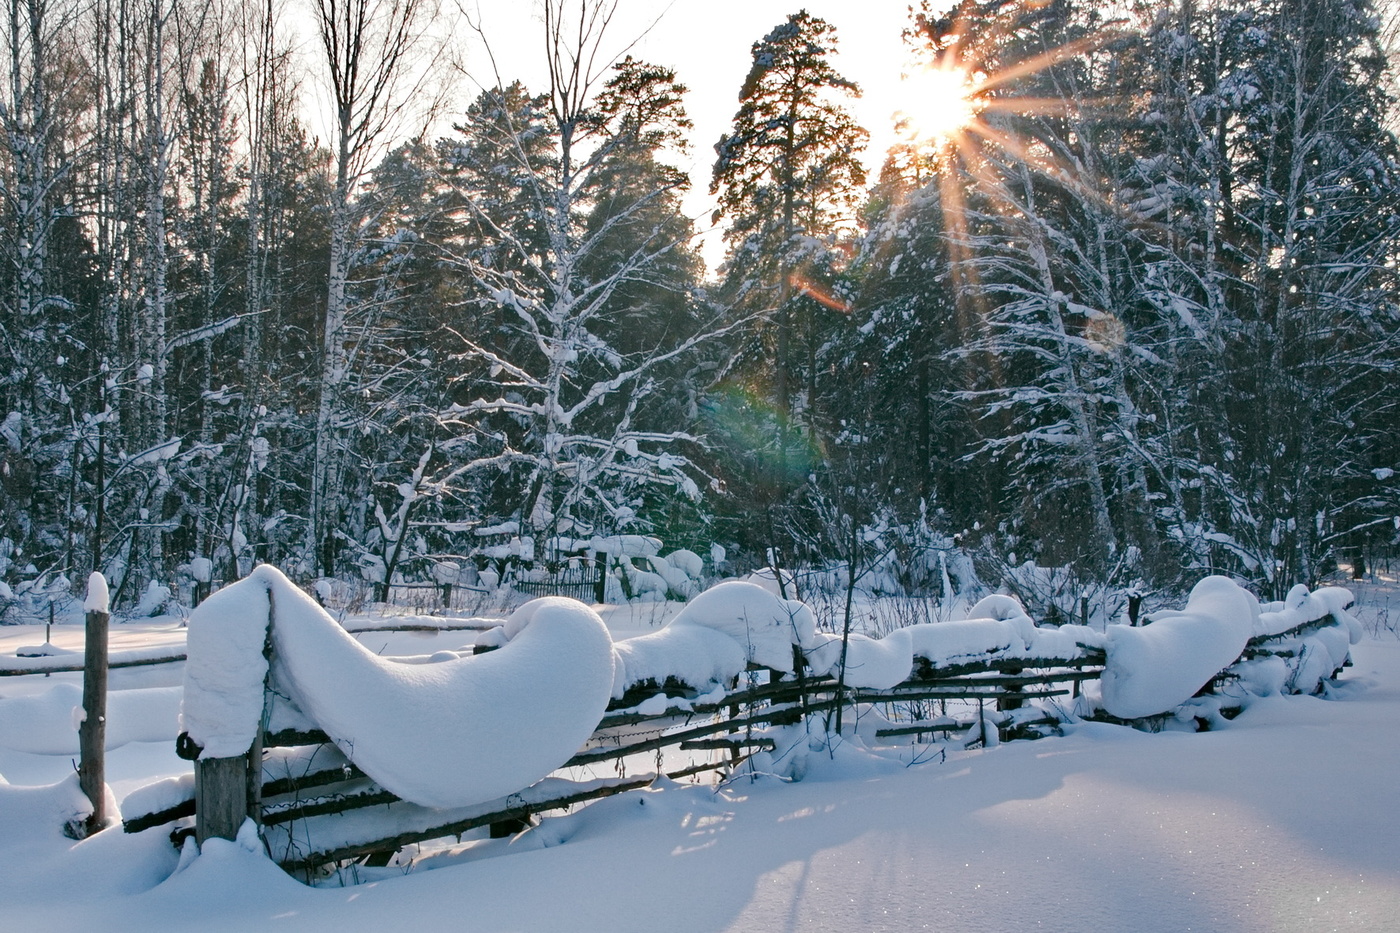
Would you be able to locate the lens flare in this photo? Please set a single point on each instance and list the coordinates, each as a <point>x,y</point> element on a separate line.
<point>943,103</point>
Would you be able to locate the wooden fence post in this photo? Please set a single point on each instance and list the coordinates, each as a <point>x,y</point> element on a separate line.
<point>92,732</point>
<point>220,797</point>
<point>228,791</point>
<point>600,586</point>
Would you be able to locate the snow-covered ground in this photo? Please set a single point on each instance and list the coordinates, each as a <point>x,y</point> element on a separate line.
<point>1288,819</point>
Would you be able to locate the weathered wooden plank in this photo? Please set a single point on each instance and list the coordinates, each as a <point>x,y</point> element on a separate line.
<point>221,797</point>
<point>728,745</point>
<point>92,732</point>
<point>18,667</point>
<point>145,821</point>
<point>517,806</point>
<point>675,738</point>
<point>290,737</point>
<point>333,803</point>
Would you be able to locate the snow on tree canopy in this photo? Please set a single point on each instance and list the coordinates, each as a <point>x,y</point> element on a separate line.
<point>454,732</point>
<point>1158,667</point>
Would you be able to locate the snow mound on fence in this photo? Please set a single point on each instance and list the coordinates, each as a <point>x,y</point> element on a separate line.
<point>1155,668</point>
<point>222,705</point>
<point>713,638</point>
<point>693,654</point>
<point>450,733</point>
<point>1301,606</point>
<point>461,731</point>
<point>767,626</point>
<point>997,627</point>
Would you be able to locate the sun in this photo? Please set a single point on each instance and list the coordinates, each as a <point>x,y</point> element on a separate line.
<point>942,102</point>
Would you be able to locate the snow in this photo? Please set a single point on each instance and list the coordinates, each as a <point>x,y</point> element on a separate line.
<point>43,723</point>
<point>1105,829</point>
<point>1280,819</point>
<point>201,569</point>
<point>97,599</point>
<point>997,626</point>
<point>153,601</point>
<point>433,733</point>
<point>765,625</point>
<point>226,667</point>
<point>447,734</point>
<point>693,654</point>
<point>1157,667</point>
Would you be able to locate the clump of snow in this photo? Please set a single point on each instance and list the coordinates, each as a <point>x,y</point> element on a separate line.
<point>999,628</point>
<point>617,546</point>
<point>201,569</point>
<point>692,653</point>
<point>97,597</point>
<point>644,585</point>
<point>1300,606</point>
<point>153,602</point>
<point>492,638</point>
<point>672,570</point>
<point>875,664</point>
<point>449,734</point>
<point>226,667</point>
<point>765,625</point>
<point>1262,677</point>
<point>687,562</point>
<point>1159,666</point>
<point>160,795</point>
<point>767,578</point>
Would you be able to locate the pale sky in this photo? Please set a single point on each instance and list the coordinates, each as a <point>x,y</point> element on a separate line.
<point>708,43</point>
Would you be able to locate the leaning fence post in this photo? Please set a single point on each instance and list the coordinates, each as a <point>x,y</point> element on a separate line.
<point>92,732</point>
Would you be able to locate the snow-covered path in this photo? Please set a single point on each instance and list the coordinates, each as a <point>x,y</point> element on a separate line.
<point>1285,821</point>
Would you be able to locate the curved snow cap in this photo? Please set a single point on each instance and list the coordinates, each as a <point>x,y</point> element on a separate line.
<point>450,733</point>
<point>1300,606</point>
<point>455,732</point>
<point>223,699</point>
<point>1158,667</point>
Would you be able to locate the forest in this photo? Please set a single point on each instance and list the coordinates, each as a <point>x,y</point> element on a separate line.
<point>1135,315</point>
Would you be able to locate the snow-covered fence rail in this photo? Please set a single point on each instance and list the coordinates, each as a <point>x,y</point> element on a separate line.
<point>346,755</point>
<point>66,663</point>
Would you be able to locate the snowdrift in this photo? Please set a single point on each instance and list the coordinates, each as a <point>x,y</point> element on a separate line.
<point>455,730</point>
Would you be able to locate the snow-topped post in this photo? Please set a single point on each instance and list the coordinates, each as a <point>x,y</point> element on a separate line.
<point>92,731</point>
<point>221,713</point>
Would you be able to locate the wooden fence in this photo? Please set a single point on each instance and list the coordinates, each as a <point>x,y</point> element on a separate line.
<point>317,810</point>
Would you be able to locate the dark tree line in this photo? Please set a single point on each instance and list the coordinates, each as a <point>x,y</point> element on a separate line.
<point>1139,318</point>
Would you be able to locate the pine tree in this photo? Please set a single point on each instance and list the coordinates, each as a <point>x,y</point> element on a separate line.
<point>788,176</point>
